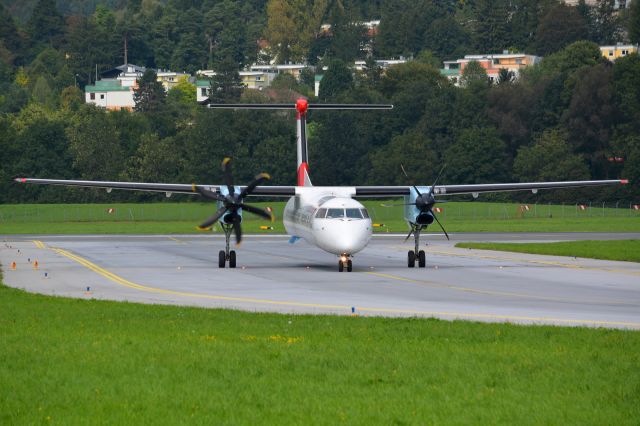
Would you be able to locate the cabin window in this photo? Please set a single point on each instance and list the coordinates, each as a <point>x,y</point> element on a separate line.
<point>321,213</point>
<point>365,213</point>
<point>354,214</point>
<point>335,213</point>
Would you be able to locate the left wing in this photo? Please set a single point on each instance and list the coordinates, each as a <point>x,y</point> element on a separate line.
<point>167,188</point>
<point>393,191</point>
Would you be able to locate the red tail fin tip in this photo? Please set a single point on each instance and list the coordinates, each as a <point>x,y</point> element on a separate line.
<point>303,175</point>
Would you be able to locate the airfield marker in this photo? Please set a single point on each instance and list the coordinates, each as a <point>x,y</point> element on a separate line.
<point>35,264</point>
<point>13,266</point>
<point>88,291</point>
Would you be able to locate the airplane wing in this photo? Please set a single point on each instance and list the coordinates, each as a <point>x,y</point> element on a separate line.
<point>288,191</point>
<point>393,191</point>
<point>168,188</point>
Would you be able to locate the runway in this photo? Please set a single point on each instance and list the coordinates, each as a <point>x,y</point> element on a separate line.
<point>273,275</point>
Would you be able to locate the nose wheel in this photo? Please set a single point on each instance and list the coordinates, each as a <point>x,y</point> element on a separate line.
<point>227,255</point>
<point>345,263</point>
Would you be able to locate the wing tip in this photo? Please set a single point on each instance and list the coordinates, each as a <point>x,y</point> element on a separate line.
<point>624,181</point>
<point>20,179</point>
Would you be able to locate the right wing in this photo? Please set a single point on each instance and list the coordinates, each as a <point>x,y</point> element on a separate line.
<point>168,188</point>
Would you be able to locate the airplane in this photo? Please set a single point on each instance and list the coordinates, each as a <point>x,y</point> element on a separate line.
<point>328,217</point>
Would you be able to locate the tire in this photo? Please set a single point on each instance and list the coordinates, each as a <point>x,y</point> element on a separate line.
<point>411,259</point>
<point>340,266</point>
<point>422,259</point>
<point>222,259</point>
<point>232,259</point>
<point>349,265</point>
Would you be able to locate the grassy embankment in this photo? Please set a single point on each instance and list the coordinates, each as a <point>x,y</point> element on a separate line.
<point>86,361</point>
<point>180,218</point>
<point>628,250</point>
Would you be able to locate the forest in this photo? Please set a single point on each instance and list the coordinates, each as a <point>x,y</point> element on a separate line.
<point>575,115</point>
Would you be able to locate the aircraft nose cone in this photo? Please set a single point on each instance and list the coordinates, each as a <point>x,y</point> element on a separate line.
<point>345,236</point>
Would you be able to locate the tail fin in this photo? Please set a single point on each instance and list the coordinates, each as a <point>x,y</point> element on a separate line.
<point>301,106</point>
<point>301,142</point>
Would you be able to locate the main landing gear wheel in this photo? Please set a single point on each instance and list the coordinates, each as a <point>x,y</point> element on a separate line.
<point>422,261</point>
<point>226,254</point>
<point>411,259</point>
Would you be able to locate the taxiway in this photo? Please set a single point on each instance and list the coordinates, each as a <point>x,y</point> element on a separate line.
<point>273,275</point>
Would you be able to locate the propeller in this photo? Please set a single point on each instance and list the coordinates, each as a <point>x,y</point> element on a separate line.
<point>233,202</point>
<point>425,202</point>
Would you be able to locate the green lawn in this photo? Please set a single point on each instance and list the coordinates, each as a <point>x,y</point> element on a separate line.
<point>180,218</point>
<point>70,361</point>
<point>628,250</point>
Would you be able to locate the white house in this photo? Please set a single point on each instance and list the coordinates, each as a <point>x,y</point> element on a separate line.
<point>110,94</point>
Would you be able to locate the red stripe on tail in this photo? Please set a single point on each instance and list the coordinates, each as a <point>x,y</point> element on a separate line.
<point>303,170</point>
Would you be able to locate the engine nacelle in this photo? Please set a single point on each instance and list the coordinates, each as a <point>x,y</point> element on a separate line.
<point>229,216</point>
<point>425,218</point>
<point>412,214</point>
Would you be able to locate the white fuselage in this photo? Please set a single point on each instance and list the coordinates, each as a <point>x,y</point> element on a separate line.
<point>328,218</point>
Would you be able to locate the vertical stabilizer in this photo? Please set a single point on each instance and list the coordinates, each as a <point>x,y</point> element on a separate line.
<point>301,142</point>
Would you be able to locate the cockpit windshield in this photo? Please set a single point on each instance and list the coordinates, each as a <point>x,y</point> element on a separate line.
<point>350,213</point>
<point>335,213</point>
<point>354,214</point>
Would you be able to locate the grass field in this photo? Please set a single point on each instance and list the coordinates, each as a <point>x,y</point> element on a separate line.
<point>180,218</point>
<point>628,250</point>
<point>72,361</point>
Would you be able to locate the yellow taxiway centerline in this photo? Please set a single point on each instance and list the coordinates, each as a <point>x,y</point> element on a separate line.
<point>121,281</point>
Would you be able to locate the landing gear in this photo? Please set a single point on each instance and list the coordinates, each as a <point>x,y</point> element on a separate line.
<point>345,262</point>
<point>227,254</point>
<point>417,254</point>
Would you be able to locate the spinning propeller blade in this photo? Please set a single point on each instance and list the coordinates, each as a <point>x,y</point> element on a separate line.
<point>233,202</point>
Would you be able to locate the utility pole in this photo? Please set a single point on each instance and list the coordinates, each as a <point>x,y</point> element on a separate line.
<point>126,61</point>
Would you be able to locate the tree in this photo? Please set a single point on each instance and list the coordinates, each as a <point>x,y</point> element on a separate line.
<point>633,23</point>
<point>492,22</point>
<point>46,25</point>
<point>561,26</point>
<point>95,145</point>
<point>505,76</point>
<point>411,151</point>
<point>606,24</point>
<point>478,155</point>
<point>473,73</point>
<point>149,96</point>
<point>183,92</point>
<point>225,86</point>
<point>590,116</point>
<point>447,38</point>
<point>336,80</point>
<point>549,159</point>
<point>292,25</point>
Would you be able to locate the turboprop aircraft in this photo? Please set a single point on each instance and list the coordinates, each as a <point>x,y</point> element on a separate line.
<point>328,217</point>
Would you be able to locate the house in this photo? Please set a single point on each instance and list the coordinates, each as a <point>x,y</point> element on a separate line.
<point>273,70</point>
<point>170,78</point>
<point>492,63</point>
<point>111,94</point>
<point>128,74</point>
<point>384,64</point>
<point>618,51</point>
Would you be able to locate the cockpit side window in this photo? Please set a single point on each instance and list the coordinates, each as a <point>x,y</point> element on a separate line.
<point>354,214</point>
<point>365,213</point>
<point>335,213</point>
<point>321,213</point>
